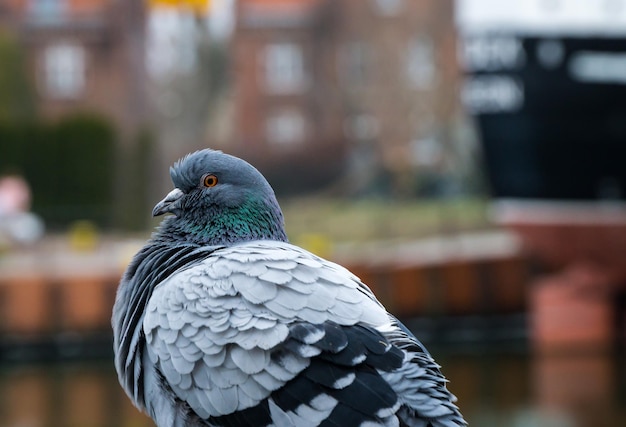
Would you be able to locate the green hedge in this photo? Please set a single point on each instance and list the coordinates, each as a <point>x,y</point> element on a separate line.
<point>69,165</point>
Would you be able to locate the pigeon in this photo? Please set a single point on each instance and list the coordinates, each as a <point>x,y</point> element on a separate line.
<point>220,321</point>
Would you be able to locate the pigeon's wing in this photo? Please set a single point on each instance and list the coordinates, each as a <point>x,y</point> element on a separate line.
<point>152,265</point>
<point>268,332</point>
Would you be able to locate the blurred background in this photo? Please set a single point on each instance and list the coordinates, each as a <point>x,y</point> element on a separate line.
<point>465,158</point>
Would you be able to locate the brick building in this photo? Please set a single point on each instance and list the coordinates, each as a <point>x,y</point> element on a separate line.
<point>287,112</point>
<point>363,83</point>
<point>83,55</point>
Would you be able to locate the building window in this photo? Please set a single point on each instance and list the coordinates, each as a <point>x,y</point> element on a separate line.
<point>285,127</point>
<point>361,127</point>
<point>283,65</point>
<point>64,70</point>
<point>426,152</point>
<point>171,47</point>
<point>388,7</point>
<point>47,9</point>
<point>421,67</point>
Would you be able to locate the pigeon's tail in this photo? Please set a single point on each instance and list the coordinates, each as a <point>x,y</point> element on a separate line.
<point>420,384</point>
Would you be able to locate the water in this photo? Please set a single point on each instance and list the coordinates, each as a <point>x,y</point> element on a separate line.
<point>493,390</point>
<point>68,395</point>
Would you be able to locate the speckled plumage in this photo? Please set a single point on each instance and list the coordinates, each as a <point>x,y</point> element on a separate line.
<point>219,321</point>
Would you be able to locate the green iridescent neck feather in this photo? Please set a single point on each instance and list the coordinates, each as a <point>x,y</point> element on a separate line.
<point>225,225</point>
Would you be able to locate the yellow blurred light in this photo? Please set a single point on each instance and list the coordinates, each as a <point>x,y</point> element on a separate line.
<point>197,6</point>
<point>83,236</point>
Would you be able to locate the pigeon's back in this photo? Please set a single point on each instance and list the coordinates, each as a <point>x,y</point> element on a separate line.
<point>265,333</point>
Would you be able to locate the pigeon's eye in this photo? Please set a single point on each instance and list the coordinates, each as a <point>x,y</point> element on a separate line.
<point>209,180</point>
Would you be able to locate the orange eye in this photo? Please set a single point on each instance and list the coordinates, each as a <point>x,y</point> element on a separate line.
<point>209,181</point>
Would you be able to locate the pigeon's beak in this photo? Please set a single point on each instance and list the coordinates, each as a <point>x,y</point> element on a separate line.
<point>170,204</point>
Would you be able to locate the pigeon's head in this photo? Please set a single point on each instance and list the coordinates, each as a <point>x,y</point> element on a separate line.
<point>219,199</point>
